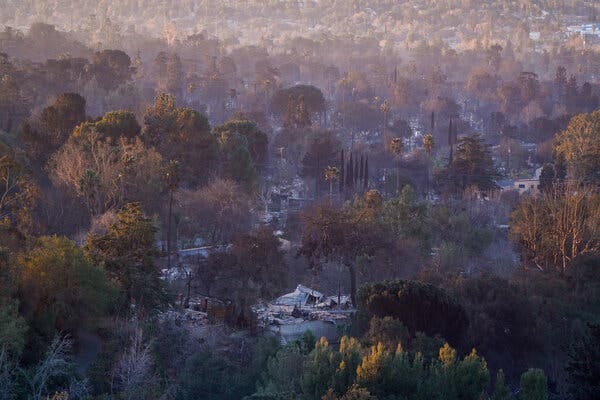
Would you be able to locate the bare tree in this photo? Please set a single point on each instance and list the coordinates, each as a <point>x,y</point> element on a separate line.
<point>133,373</point>
<point>55,365</point>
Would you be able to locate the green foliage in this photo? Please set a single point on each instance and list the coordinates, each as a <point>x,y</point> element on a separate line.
<point>181,134</point>
<point>387,330</point>
<point>584,364</point>
<point>253,269</point>
<point>13,330</point>
<point>500,317</point>
<point>407,216</point>
<point>421,307</point>
<point>534,385</point>
<point>313,98</point>
<point>60,290</point>
<point>319,371</point>
<point>257,140</point>
<point>205,376</point>
<point>472,165</point>
<point>501,392</point>
<point>284,372</point>
<point>236,160</point>
<point>466,233</point>
<point>112,126</point>
<point>59,119</point>
<point>127,252</point>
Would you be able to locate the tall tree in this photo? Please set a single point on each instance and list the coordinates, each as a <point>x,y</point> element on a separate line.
<point>428,143</point>
<point>579,146</point>
<point>59,119</point>
<point>471,166</point>
<point>331,174</point>
<point>172,180</point>
<point>397,148</point>
<point>127,252</point>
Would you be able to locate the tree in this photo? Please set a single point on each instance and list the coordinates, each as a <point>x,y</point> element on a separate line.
<point>132,375</point>
<point>534,385</point>
<point>555,229</point>
<point>113,125</point>
<point>584,365</point>
<point>579,145</point>
<point>255,269</point>
<point>174,75</point>
<point>319,370</point>
<point>105,174</point>
<point>331,174</point>
<point>321,152</point>
<point>60,118</point>
<point>297,115</point>
<point>428,144</point>
<point>127,252</point>
<point>397,147</point>
<point>206,376</point>
<point>385,109</point>
<point>13,331</point>
<point>181,134</point>
<point>284,372</point>
<point>236,160</point>
<point>18,194</point>
<point>547,178</point>
<point>421,307</point>
<point>61,291</point>
<point>13,105</point>
<point>172,180</point>
<point>472,165</point>
<point>338,235</point>
<point>256,138</point>
<point>55,373</point>
<point>110,68</point>
<point>501,392</point>
<point>312,97</point>
<point>217,212</point>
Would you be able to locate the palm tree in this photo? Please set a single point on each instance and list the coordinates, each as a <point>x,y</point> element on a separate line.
<point>397,147</point>
<point>331,174</point>
<point>428,143</point>
<point>172,179</point>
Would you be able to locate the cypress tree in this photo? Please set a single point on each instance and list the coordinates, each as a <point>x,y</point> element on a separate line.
<point>356,171</point>
<point>342,172</point>
<point>361,170</point>
<point>450,141</point>
<point>350,174</point>
<point>366,173</point>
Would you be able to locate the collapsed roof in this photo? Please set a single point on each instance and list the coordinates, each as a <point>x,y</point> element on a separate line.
<point>302,296</point>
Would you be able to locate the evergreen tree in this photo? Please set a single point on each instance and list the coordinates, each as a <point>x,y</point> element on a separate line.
<point>342,171</point>
<point>534,385</point>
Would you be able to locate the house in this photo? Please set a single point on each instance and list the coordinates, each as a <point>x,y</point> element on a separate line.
<point>303,296</point>
<point>528,185</point>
